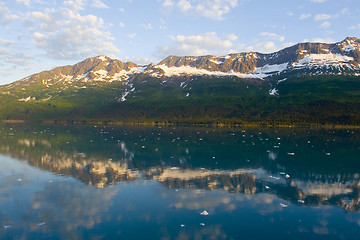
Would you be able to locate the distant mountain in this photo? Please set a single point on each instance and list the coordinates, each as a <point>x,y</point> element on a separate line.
<point>291,83</point>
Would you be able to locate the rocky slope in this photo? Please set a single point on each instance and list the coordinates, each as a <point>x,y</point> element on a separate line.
<point>335,58</point>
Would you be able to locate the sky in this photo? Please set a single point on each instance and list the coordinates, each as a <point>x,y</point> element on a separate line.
<point>38,35</point>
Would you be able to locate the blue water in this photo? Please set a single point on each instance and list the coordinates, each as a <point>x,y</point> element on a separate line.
<point>96,182</point>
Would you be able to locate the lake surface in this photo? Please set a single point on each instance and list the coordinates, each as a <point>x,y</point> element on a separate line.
<point>96,182</point>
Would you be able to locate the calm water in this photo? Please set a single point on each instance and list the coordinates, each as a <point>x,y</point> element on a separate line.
<point>81,182</point>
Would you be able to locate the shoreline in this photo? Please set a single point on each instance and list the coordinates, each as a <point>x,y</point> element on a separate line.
<point>217,124</point>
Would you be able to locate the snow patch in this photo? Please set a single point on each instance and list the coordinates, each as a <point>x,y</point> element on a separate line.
<point>273,92</point>
<point>221,61</point>
<point>323,59</point>
<point>188,70</point>
<point>27,99</point>
<point>123,97</point>
<point>349,48</point>
<point>101,72</point>
<point>269,69</point>
<point>102,58</point>
<point>281,80</point>
<point>124,75</point>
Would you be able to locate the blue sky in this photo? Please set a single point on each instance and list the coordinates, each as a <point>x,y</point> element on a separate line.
<point>37,35</point>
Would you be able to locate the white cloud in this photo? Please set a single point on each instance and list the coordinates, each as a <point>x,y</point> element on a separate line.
<point>355,27</point>
<point>213,9</point>
<point>66,34</point>
<point>325,24</point>
<point>273,36</point>
<point>121,24</point>
<point>5,14</point>
<point>98,4</point>
<point>6,42</point>
<point>322,17</point>
<point>121,10</point>
<point>184,5</point>
<point>6,52</point>
<point>131,35</point>
<point>204,44</point>
<point>168,3</point>
<point>162,24</point>
<point>75,5</point>
<point>138,60</point>
<point>25,2</point>
<point>263,47</point>
<point>232,37</point>
<point>318,1</point>
<point>304,16</point>
<point>147,26</point>
<point>323,40</point>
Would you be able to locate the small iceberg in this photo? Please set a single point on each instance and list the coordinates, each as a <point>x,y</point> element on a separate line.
<point>204,213</point>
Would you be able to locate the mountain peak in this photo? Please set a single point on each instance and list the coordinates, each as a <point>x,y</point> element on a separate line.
<point>302,58</point>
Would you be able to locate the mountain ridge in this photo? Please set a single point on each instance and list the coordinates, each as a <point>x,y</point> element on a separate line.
<point>345,54</point>
<point>293,84</point>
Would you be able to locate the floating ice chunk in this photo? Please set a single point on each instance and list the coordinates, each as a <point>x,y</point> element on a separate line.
<point>283,205</point>
<point>204,213</point>
<point>277,178</point>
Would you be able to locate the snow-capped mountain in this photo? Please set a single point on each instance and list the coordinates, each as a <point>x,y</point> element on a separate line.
<point>301,59</point>
<point>244,86</point>
<point>311,58</point>
<point>93,70</point>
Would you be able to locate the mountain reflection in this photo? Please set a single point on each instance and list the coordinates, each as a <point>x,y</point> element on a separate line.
<point>312,167</point>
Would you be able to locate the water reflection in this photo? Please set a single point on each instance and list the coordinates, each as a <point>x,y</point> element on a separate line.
<point>311,167</point>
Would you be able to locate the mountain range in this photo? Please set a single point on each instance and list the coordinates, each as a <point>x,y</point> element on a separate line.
<point>304,83</point>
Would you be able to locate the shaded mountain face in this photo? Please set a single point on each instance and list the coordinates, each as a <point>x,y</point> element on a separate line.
<point>235,85</point>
